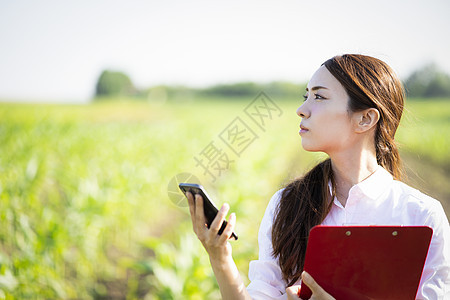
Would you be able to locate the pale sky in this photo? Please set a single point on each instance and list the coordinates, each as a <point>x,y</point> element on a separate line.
<point>55,50</point>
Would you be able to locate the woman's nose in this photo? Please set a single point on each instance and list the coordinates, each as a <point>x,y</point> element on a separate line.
<point>302,111</point>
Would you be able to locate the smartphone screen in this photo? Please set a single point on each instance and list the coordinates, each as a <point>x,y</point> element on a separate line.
<point>209,208</point>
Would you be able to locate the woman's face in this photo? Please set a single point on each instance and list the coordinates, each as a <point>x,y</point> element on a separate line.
<point>326,120</point>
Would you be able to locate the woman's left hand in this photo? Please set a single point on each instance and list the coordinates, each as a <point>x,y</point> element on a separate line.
<point>318,293</point>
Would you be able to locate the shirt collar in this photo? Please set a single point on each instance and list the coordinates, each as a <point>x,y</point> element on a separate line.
<point>374,185</point>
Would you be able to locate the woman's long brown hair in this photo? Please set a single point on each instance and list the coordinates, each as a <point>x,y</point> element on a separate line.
<point>305,202</point>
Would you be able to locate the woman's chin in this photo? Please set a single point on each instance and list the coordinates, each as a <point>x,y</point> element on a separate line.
<point>308,147</point>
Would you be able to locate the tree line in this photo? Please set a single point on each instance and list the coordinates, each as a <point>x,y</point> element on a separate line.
<point>426,82</point>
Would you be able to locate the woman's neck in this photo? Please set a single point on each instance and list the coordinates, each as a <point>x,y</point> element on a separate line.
<point>351,169</point>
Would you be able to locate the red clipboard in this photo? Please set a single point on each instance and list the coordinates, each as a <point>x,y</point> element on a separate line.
<point>367,262</point>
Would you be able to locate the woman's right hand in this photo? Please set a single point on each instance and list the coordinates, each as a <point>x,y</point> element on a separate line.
<point>217,246</point>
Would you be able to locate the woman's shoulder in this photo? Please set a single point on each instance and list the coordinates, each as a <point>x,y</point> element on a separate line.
<point>274,201</point>
<point>276,197</point>
<point>417,200</point>
<point>410,193</point>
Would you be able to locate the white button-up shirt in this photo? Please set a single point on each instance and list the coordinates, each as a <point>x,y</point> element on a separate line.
<point>378,200</point>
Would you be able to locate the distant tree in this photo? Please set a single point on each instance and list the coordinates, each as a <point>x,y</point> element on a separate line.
<point>113,83</point>
<point>168,92</point>
<point>285,89</point>
<point>240,89</point>
<point>428,82</point>
<point>281,89</point>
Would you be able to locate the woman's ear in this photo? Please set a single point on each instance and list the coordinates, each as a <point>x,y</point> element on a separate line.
<point>366,119</point>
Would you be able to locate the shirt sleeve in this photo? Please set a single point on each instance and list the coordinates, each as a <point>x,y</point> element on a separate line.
<point>265,273</point>
<point>435,281</point>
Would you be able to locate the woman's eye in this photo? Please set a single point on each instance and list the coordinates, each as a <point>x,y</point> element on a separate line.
<point>318,97</point>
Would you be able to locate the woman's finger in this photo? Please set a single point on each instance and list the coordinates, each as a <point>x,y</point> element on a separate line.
<point>192,211</point>
<point>199,214</point>
<point>190,199</point>
<point>292,292</point>
<point>226,234</point>
<point>218,220</point>
<point>317,291</point>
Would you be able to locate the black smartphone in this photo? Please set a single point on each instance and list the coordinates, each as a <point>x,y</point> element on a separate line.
<point>208,206</point>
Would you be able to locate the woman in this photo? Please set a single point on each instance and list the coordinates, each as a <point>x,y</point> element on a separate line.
<point>353,105</point>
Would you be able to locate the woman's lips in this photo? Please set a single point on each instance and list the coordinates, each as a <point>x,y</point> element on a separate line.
<point>303,129</point>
